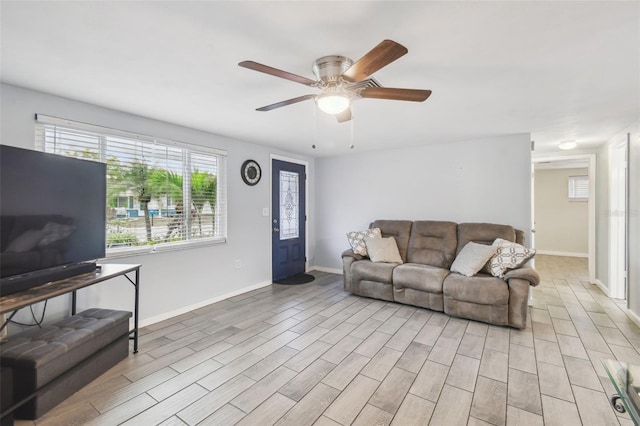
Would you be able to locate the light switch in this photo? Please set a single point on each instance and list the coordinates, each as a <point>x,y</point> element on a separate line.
<point>265,211</point>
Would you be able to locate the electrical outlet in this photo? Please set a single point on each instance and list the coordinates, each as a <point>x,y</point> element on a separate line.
<point>238,264</point>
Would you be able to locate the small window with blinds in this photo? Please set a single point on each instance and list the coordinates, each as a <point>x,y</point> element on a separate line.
<point>578,188</point>
<point>161,194</point>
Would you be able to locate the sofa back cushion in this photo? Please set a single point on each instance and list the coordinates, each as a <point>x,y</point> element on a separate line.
<point>433,243</point>
<point>398,229</point>
<point>483,233</point>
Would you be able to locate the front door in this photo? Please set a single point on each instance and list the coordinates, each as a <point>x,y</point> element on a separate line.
<point>288,220</point>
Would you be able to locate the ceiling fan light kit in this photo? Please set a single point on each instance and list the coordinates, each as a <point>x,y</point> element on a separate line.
<point>332,104</point>
<point>567,145</point>
<point>343,81</point>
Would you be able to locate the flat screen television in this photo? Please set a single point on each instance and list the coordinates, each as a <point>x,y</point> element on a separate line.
<point>52,217</point>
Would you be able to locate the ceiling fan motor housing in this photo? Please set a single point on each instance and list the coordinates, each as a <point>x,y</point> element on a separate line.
<point>328,69</point>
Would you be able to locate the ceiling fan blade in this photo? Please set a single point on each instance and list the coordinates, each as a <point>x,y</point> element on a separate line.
<point>413,95</point>
<point>277,73</point>
<point>344,115</point>
<point>285,103</point>
<point>378,57</point>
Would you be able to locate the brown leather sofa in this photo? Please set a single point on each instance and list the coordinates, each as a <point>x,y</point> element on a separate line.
<point>428,249</point>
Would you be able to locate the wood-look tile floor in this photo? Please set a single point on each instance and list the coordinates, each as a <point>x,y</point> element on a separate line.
<point>313,354</point>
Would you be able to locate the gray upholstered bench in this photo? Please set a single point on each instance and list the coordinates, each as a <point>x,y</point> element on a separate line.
<point>53,362</point>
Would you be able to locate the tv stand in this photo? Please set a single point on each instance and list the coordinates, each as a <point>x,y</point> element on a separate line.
<point>15,301</point>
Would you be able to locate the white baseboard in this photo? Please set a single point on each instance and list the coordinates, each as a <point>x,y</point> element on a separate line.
<point>601,286</point>
<point>562,253</point>
<point>634,317</point>
<point>180,311</point>
<point>328,270</point>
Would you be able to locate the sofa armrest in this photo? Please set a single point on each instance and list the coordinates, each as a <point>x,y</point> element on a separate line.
<point>526,273</point>
<point>350,253</point>
<point>518,302</point>
<point>348,257</point>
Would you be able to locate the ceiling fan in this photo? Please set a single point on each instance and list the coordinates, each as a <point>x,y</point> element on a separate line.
<point>343,81</point>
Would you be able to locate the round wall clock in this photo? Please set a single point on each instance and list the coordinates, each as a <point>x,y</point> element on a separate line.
<point>250,172</point>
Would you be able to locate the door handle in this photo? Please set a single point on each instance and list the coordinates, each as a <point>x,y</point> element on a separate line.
<point>276,229</point>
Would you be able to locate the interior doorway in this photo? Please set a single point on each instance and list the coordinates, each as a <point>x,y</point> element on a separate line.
<point>583,165</point>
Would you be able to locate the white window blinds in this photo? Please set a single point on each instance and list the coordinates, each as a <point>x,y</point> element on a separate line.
<point>578,188</point>
<point>160,193</point>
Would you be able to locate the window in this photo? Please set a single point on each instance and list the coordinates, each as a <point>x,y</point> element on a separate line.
<point>160,193</point>
<point>578,188</point>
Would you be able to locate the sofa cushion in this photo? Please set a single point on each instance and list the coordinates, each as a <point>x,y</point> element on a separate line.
<point>472,258</point>
<point>356,239</point>
<point>419,277</point>
<point>483,233</point>
<point>509,256</point>
<point>383,250</point>
<point>398,229</point>
<point>370,271</point>
<point>479,289</point>
<point>433,243</point>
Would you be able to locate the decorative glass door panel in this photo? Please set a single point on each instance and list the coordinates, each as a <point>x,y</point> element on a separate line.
<point>288,199</point>
<point>289,204</point>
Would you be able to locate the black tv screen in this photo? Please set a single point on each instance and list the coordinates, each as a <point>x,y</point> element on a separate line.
<point>52,212</point>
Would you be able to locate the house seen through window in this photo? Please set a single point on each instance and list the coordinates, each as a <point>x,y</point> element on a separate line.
<point>160,193</point>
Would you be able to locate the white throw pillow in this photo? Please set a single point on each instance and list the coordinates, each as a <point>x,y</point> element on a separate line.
<point>383,250</point>
<point>25,241</point>
<point>509,256</point>
<point>472,258</point>
<point>356,239</point>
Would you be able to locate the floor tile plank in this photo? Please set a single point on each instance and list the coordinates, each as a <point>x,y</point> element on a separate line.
<point>392,390</point>
<point>490,401</point>
<point>346,407</point>
<point>453,407</point>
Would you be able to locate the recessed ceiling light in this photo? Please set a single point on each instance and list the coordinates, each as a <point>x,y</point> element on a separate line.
<point>567,145</point>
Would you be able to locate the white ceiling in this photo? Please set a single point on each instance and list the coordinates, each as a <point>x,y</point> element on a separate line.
<point>558,69</point>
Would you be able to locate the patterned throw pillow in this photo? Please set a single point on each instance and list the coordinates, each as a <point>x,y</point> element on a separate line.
<point>509,256</point>
<point>356,239</point>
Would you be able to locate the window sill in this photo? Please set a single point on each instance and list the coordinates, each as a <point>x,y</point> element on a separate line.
<point>160,248</point>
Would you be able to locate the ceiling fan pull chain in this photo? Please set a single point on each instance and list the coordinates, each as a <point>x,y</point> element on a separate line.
<point>352,125</point>
<point>315,128</point>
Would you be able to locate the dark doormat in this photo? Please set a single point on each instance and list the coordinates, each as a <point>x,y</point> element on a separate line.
<point>296,279</point>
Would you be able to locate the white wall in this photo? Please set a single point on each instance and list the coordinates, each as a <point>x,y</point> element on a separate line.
<point>170,281</point>
<point>562,226</point>
<point>634,220</point>
<point>473,181</point>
